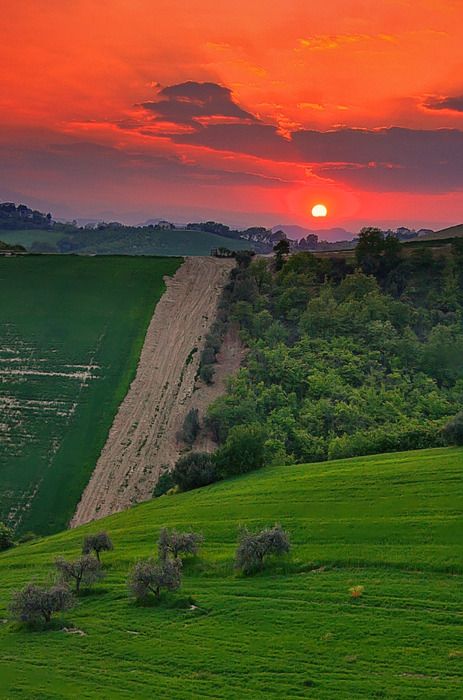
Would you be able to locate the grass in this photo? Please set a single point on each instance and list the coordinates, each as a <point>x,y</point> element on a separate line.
<point>390,523</point>
<point>131,241</point>
<point>26,237</point>
<point>72,330</point>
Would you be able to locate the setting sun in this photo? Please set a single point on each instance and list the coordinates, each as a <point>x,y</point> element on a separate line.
<point>319,210</point>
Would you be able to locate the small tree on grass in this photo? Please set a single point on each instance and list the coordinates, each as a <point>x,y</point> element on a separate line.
<point>254,547</point>
<point>150,576</point>
<point>453,431</point>
<point>100,542</point>
<point>33,603</point>
<point>174,543</point>
<point>6,537</point>
<point>84,570</point>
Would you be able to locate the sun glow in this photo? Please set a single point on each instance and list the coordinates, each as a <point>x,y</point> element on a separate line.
<point>319,210</point>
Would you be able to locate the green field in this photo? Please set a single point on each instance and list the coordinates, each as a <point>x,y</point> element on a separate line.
<point>391,523</point>
<point>71,332</point>
<point>130,241</point>
<point>27,237</point>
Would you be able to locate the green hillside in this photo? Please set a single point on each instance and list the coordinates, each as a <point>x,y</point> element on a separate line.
<point>391,523</point>
<point>126,241</point>
<point>72,329</point>
<point>450,232</point>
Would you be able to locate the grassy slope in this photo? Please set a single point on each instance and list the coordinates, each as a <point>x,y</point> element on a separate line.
<point>391,523</point>
<point>57,315</point>
<point>451,232</point>
<point>135,242</point>
<point>27,237</point>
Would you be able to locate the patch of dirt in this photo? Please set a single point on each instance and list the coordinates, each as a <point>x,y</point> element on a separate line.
<point>142,440</point>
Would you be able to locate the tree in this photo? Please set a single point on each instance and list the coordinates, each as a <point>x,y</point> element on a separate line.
<point>453,431</point>
<point>175,543</point>
<point>84,570</point>
<point>33,602</point>
<point>193,470</point>
<point>6,537</point>
<point>243,451</point>
<point>99,542</point>
<point>254,547</point>
<point>150,576</point>
<point>281,250</point>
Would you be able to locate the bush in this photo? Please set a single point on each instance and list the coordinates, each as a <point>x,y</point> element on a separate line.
<point>243,451</point>
<point>6,537</point>
<point>206,374</point>
<point>84,570</point>
<point>191,427</point>
<point>175,543</point>
<point>164,484</point>
<point>150,576</point>
<point>101,542</point>
<point>453,431</point>
<point>194,470</point>
<point>254,547</point>
<point>33,603</point>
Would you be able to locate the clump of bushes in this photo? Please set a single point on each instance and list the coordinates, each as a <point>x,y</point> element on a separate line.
<point>453,431</point>
<point>150,576</point>
<point>6,537</point>
<point>172,542</point>
<point>33,603</point>
<point>253,547</point>
<point>191,427</point>
<point>100,542</point>
<point>84,570</point>
<point>195,469</point>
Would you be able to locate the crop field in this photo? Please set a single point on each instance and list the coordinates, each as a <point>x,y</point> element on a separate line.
<point>71,333</point>
<point>390,523</point>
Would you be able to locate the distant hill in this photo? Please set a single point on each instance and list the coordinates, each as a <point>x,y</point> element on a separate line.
<point>123,241</point>
<point>326,234</point>
<point>450,232</point>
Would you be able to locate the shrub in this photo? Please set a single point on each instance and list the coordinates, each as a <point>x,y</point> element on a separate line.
<point>175,543</point>
<point>100,542</point>
<point>191,427</point>
<point>84,570</point>
<point>193,470</point>
<point>164,483</point>
<point>33,603</point>
<point>6,537</point>
<point>453,430</point>
<point>206,373</point>
<point>150,576</point>
<point>243,451</point>
<point>254,547</point>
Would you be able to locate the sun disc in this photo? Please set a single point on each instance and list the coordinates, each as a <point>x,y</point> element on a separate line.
<point>319,210</point>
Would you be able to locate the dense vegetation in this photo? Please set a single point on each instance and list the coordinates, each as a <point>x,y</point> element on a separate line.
<point>367,605</point>
<point>72,329</point>
<point>345,357</point>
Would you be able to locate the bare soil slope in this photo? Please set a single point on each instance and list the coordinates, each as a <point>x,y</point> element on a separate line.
<point>143,436</point>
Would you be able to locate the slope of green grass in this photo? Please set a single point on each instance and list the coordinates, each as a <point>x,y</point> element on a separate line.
<point>391,523</point>
<point>26,237</point>
<point>71,332</point>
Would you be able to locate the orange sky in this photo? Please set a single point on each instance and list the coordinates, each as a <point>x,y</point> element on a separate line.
<point>89,128</point>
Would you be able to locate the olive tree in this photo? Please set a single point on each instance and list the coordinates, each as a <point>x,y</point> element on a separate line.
<point>99,542</point>
<point>253,547</point>
<point>84,570</point>
<point>172,542</point>
<point>151,576</point>
<point>33,603</point>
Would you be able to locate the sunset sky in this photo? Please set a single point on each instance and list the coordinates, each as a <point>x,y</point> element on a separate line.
<point>248,112</point>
